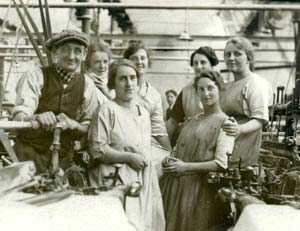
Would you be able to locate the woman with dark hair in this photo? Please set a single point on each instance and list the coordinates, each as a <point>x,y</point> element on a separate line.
<point>120,133</point>
<point>189,200</point>
<point>245,100</point>
<point>150,98</point>
<point>187,103</point>
<point>96,64</point>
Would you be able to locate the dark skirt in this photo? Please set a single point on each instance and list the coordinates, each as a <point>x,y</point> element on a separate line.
<point>190,203</point>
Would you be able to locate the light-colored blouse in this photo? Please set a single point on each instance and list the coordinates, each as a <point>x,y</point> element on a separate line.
<point>122,129</point>
<point>244,100</point>
<point>150,98</point>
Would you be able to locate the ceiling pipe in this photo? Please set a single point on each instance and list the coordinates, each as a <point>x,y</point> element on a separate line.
<point>289,7</point>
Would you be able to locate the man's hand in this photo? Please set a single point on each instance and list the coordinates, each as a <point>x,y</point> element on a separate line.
<point>231,127</point>
<point>66,122</point>
<point>47,120</point>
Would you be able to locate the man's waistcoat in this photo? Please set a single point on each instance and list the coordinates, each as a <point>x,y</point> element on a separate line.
<point>58,100</point>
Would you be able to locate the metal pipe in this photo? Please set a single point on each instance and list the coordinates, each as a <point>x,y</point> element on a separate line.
<point>174,48</point>
<point>48,22</point>
<point>167,48</point>
<point>33,25</point>
<point>5,19</point>
<point>282,64</point>
<point>273,134</point>
<point>169,36</point>
<point>288,7</point>
<point>46,33</point>
<point>83,14</point>
<point>7,161</point>
<point>18,124</point>
<point>19,55</point>
<point>32,40</point>
<point>55,149</point>
<point>86,25</point>
<point>13,59</point>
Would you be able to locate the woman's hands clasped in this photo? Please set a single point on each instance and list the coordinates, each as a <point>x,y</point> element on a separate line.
<point>135,160</point>
<point>174,165</point>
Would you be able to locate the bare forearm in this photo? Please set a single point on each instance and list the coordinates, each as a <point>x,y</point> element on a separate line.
<point>163,141</point>
<point>202,167</point>
<point>82,128</point>
<point>77,128</point>
<point>250,126</point>
<point>111,155</point>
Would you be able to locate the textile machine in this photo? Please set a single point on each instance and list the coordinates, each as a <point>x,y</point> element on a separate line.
<point>276,179</point>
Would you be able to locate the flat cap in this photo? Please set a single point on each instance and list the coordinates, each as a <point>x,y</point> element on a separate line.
<point>64,36</point>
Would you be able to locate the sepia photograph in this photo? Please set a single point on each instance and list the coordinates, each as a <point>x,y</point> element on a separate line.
<point>150,115</point>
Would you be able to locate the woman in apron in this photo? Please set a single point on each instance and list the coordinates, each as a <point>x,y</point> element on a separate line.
<point>150,99</point>
<point>245,100</point>
<point>120,133</point>
<point>189,200</point>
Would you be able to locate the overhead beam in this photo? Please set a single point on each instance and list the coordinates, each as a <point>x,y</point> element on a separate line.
<point>156,57</point>
<point>164,48</point>
<point>195,37</point>
<point>173,6</point>
<point>170,36</point>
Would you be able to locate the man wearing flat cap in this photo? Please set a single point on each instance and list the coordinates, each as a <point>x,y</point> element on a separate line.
<point>60,94</point>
